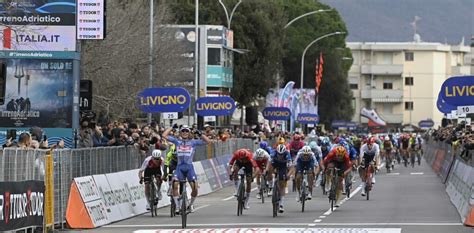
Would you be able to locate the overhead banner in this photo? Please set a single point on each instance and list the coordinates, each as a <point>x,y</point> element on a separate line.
<point>21,205</point>
<point>443,106</point>
<point>308,118</point>
<point>172,99</point>
<point>458,91</point>
<point>276,113</point>
<point>38,38</point>
<point>215,106</point>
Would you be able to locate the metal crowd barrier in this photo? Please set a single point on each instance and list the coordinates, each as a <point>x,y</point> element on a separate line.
<point>28,164</point>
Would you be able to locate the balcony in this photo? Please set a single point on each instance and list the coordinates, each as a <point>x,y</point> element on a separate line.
<point>460,70</point>
<point>382,69</point>
<point>392,118</point>
<point>382,96</point>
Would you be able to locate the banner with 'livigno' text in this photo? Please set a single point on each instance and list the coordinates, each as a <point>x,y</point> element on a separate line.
<point>21,204</point>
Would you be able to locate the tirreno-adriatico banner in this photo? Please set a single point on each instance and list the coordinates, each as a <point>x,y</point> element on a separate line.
<point>38,25</point>
<point>21,204</point>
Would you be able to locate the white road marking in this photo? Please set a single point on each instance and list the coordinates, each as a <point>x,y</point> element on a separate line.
<point>416,173</point>
<point>392,224</point>
<point>206,225</point>
<point>393,174</point>
<point>229,198</point>
<point>327,213</point>
<point>278,230</point>
<point>200,207</point>
<point>322,216</point>
<point>317,220</point>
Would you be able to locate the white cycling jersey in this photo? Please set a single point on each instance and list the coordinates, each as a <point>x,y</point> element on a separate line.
<point>375,150</point>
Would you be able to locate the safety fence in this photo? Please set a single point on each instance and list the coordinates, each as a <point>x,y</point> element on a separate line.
<point>22,164</point>
<point>457,174</point>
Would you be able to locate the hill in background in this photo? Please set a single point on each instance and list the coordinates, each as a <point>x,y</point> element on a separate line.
<point>389,20</point>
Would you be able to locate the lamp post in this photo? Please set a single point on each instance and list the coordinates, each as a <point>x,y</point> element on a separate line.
<point>306,49</point>
<point>306,14</point>
<point>150,78</point>
<point>229,17</point>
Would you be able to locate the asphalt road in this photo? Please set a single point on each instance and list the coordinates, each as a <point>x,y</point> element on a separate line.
<point>408,200</point>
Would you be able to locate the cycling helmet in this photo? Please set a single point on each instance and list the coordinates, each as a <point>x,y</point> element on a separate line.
<point>387,138</point>
<point>306,150</point>
<point>372,140</point>
<point>281,149</point>
<point>263,144</point>
<point>242,153</point>
<point>260,154</point>
<point>340,152</point>
<point>156,154</point>
<point>281,140</point>
<point>313,145</point>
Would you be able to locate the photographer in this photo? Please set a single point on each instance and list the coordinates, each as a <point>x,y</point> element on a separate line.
<point>85,136</point>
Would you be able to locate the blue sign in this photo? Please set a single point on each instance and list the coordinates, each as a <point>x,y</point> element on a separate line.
<point>458,91</point>
<point>351,125</point>
<point>276,113</point>
<point>215,106</point>
<point>171,99</point>
<point>308,118</point>
<point>426,123</point>
<point>443,106</point>
<point>338,124</point>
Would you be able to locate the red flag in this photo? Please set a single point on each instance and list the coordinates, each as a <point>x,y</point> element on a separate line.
<point>7,38</point>
<point>319,74</point>
<point>316,72</point>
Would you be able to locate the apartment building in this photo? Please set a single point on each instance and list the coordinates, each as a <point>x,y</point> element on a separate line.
<point>401,80</point>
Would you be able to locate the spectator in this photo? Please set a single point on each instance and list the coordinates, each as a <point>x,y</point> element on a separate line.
<point>85,135</point>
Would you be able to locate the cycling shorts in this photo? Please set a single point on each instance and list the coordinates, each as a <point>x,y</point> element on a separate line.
<point>149,172</point>
<point>248,168</point>
<point>304,165</point>
<point>282,169</point>
<point>367,159</point>
<point>185,171</point>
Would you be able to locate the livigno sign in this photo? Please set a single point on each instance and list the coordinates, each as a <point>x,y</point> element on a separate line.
<point>215,106</point>
<point>276,113</point>
<point>173,99</point>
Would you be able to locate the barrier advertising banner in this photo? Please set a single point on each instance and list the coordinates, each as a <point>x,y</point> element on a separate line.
<point>276,113</point>
<point>458,91</point>
<point>204,186</point>
<point>171,99</point>
<point>21,204</point>
<point>215,106</point>
<point>108,197</point>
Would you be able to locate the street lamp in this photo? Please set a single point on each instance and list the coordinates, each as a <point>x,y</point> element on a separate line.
<point>229,18</point>
<point>306,49</point>
<point>303,15</point>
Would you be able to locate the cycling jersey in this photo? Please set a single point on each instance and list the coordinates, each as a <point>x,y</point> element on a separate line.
<point>281,162</point>
<point>262,163</point>
<point>405,142</point>
<point>185,149</point>
<point>171,157</point>
<point>317,153</point>
<point>305,163</point>
<point>295,146</point>
<point>332,158</point>
<point>387,145</point>
<point>368,154</point>
<point>248,162</point>
<point>151,167</point>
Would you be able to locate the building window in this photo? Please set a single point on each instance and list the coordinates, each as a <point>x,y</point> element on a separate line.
<point>409,56</point>
<point>408,81</point>
<point>354,86</point>
<point>214,56</point>
<point>409,105</point>
<point>387,85</point>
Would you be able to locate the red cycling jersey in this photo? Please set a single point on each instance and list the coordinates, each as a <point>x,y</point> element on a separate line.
<point>331,157</point>
<point>262,164</point>
<point>248,157</point>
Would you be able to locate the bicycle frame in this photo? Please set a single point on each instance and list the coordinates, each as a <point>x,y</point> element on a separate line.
<point>276,192</point>
<point>241,191</point>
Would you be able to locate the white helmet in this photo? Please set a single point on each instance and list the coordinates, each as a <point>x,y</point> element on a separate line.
<point>156,154</point>
<point>281,149</point>
<point>387,138</point>
<point>306,150</point>
<point>260,154</point>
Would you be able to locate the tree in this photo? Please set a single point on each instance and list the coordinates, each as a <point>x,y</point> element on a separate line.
<point>119,64</point>
<point>335,96</point>
<point>257,27</point>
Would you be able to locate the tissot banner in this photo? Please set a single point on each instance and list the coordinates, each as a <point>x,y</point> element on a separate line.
<point>458,91</point>
<point>21,204</point>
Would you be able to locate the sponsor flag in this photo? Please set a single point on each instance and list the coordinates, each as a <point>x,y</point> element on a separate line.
<point>7,38</point>
<point>319,71</point>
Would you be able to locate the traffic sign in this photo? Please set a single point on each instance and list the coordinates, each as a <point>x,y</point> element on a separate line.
<point>465,109</point>
<point>85,95</point>
<point>210,119</point>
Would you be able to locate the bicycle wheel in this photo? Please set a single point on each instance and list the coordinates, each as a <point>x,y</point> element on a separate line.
<point>412,160</point>
<point>348,185</point>
<point>303,195</point>
<point>172,208</point>
<point>152,198</point>
<point>262,188</point>
<point>275,198</point>
<point>294,185</point>
<point>368,185</point>
<point>184,212</point>
<point>240,198</point>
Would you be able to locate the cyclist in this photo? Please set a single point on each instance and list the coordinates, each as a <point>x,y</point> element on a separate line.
<point>281,160</point>
<point>369,154</point>
<point>325,147</point>
<point>262,158</point>
<point>243,158</point>
<point>338,158</point>
<point>404,146</point>
<point>264,145</point>
<point>171,161</point>
<point>415,147</point>
<point>185,149</point>
<point>306,160</point>
<point>388,147</point>
<point>151,166</point>
<point>316,150</point>
<point>296,145</point>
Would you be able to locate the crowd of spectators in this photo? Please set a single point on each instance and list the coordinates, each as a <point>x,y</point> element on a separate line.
<point>458,136</point>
